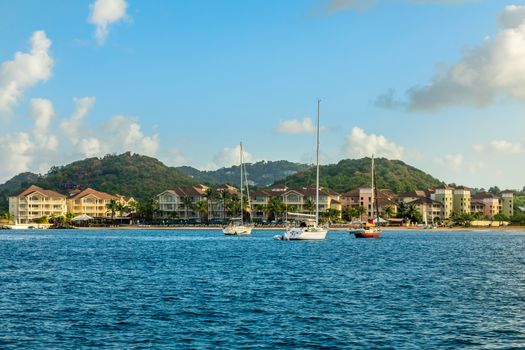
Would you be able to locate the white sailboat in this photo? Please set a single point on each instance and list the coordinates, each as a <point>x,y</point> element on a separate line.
<point>237,226</point>
<point>309,228</point>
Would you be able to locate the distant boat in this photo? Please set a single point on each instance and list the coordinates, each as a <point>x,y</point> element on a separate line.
<point>370,229</point>
<point>237,226</point>
<point>309,228</point>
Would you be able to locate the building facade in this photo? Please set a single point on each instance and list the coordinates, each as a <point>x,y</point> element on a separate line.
<point>90,202</point>
<point>35,203</point>
<point>461,201</point>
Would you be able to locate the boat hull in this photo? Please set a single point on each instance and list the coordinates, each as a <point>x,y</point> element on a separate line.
<point>237,231</point>
<point>303,235</point>
<point>368,234</point>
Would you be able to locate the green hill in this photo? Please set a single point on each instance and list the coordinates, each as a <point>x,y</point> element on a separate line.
<point>125,174</point>
<point>15,185</point>
<point>259,174</point>
<point>350,173</point>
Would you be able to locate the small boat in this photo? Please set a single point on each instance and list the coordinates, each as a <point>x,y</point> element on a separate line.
<point>308,228</point>
<point>237,226</point>
<point>370,229</point>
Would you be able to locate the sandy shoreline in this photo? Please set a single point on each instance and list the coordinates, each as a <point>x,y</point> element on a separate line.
<point>198,228</point>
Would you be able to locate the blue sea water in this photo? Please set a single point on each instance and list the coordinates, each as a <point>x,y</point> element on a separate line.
<point>200,290</point>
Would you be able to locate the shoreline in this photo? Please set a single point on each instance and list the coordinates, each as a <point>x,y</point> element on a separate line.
<point>385,229</point>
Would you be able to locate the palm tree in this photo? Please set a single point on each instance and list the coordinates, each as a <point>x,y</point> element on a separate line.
<point>208,194</point>
<point>187,203</point>
<point>202,208</point>
<point>8,217</point>
<point>113,206</point>
<point>275,208</point>
<point>224,196</point>
<point>388,211</point>
<point>359,211</point>
<point>309,205</point>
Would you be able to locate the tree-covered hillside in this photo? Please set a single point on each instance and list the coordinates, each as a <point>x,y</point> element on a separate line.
<point>259,174</point>
<point>15,185</point>
<point>350,173</point>
<point>126,174</point>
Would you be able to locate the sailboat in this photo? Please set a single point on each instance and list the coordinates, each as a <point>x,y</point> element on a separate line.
<point>237,226</point>
<point>370,230</point>
<point>308,228</point>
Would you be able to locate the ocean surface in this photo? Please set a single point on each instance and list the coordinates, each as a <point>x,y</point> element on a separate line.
<point>200,290</point>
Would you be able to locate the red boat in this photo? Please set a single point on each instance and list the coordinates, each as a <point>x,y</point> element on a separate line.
<point>370,230</point>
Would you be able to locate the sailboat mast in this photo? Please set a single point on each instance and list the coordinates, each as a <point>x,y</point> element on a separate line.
<point>373,191</point>
<point>241,181</point>
<point>317,161</point>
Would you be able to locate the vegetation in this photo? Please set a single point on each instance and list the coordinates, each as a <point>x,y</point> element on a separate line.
<point>350,173</point>
<point>409,212</point>
<point>259,174</point>
<point>127,174</point>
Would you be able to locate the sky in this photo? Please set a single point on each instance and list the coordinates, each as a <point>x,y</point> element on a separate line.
<point>439,84</point>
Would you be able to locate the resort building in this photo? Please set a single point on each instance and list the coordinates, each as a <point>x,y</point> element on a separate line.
<point>35,203</point>
<point>90,202</point>
<point>461,200</point>
<point>491,203</point>
<point>444,194</point>
<point>431,210</point>
<point>408,197</point>
<point>362,197</point>
<point>179,202</point>
<point>507,203</point>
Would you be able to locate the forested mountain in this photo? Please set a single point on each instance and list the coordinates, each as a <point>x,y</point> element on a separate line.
<point>259,174</point>
<point>15,185</point>
<point>142,177</point>
<point>126,174</point>
<point>350,173</point>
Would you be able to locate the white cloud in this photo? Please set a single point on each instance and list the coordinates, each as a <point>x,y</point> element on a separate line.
<point>105,13</point>
<point>25,70</point>
<point>450,161</point>
<point>494,68</point>
<point>128,135</point>
<point>42,111</point>
<point>229,157</point>
<point>90,147</point>
<point>295,126</point>
<point>72,128</point>
<point>500,146</point>
<point>360,144</point>
<point>16,157</point>
<point>175,158</point>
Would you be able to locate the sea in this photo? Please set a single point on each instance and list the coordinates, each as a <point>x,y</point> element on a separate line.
<point>177,289</point>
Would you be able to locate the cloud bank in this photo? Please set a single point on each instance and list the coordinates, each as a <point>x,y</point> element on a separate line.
<point>360,144</point>
<point>496,67</point>
<point>25,70</point>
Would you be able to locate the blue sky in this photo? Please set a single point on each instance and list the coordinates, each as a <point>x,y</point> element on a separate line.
<point>438,84</point>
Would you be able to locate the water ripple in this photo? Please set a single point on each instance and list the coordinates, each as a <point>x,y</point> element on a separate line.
<point>173,289</point>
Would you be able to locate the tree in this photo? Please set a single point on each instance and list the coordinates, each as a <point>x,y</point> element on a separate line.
<point>8,217</point>
<point>224,196</point>
<point>388,211</point>
<point>360,210</point>
<point>501,217</point>
<point>202,208</point>
<point>187,204</point>
<point>208,195</point>
<point>275,208</point>
<point>113,206</point>
<point>309,205</point>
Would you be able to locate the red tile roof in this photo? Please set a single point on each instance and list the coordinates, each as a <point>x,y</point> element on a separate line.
<point>33,188</point>
<point>90,191</point>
